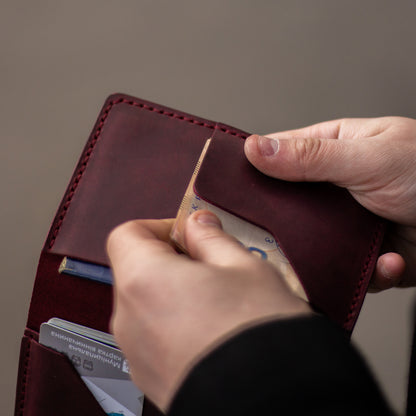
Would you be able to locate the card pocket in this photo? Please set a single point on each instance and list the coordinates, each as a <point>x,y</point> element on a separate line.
<point>49,385</point>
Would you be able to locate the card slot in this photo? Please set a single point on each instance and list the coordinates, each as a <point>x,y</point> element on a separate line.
<point>49,385</point>
<point>72,298</point>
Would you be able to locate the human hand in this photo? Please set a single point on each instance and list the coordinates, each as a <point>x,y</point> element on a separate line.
<point>375,159</point>
<point>169,308</point>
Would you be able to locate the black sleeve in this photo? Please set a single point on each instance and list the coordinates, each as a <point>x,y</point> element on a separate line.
<point>411,389</point>
<point>302,366</point>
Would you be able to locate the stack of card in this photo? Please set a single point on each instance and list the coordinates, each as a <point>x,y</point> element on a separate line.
<point>99,362</point>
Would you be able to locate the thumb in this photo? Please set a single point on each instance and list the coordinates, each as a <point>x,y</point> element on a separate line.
<point>324,160</point>
<point>206,241</point>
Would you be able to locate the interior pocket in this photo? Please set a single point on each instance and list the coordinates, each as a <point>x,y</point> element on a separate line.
<point>49,385</point>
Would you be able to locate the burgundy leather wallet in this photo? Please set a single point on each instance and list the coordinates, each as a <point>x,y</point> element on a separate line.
<point>136,164</point>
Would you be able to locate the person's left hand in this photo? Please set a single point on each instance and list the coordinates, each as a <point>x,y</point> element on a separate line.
<point>170,309</point>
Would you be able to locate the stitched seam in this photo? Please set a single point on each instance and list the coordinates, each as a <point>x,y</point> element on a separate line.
<point>96,136</point>
<point>24,379</point>
<point>364,271</point>
<point>30,334</point>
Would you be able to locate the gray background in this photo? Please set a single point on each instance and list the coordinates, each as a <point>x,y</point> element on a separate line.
<point>261,66</point>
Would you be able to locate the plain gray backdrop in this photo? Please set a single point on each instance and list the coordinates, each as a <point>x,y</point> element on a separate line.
<point>261,66</point>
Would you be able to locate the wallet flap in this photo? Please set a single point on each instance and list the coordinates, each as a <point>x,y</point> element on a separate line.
<point>136,164</point>
<point>331,241</point>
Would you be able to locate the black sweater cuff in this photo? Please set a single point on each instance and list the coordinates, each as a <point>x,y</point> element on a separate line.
<point>286,367</point>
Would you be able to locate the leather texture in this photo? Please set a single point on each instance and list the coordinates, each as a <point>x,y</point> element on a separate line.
<point>330,239</point>
<point>52,386</point>
<point>137,164</point>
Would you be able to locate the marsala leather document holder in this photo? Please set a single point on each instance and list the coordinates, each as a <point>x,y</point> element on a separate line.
<point>137,164</point>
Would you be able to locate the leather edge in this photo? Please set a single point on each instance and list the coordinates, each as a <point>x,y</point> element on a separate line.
<point>364,281</point>
<point>111,101</point>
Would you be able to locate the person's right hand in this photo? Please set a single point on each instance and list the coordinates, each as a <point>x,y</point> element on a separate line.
<point>375,159</point>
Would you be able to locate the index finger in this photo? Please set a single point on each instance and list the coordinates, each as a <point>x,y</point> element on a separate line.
<point>139,242</point>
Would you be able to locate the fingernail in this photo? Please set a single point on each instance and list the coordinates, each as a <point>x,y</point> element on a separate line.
<point>208,219</point>
<point>266,146</point>
<point>387,274</point>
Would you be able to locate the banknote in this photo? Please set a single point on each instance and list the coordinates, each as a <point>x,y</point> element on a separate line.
<point>257,240</point>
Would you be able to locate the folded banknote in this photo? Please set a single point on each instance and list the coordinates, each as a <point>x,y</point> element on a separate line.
<point>258,241</point>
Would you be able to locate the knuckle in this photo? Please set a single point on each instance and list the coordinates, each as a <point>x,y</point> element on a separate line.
<point>134,290</point>
<point>118,233</point>
<point>121,229</point>
<point>307,149</point>
<point>136,281</point>
<point>308,152</point>
<point>212,236</point>
<point>212,240</point>
<point>129,284</point>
